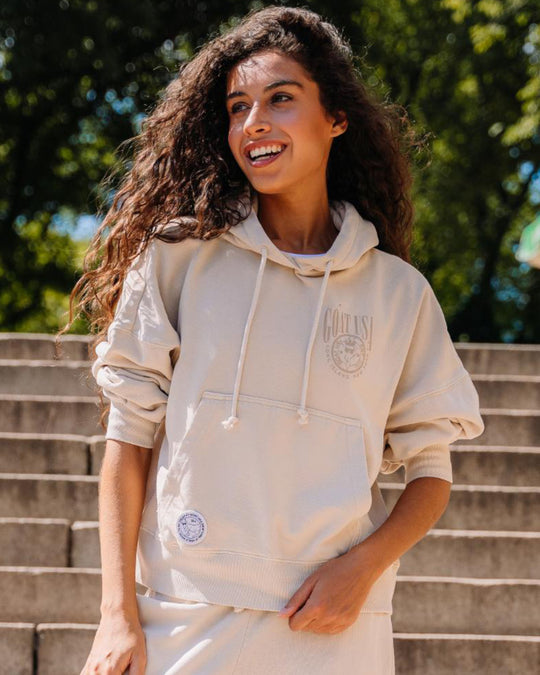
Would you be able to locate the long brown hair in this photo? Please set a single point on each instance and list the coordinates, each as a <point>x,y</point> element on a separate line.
<point>183,169</point>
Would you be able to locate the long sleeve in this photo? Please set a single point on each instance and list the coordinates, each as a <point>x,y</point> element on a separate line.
<point>134,365</point>
<point>435,402</point>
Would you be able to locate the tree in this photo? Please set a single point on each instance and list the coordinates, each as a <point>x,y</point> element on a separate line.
<point>469,72</point>
<point>77,77</point>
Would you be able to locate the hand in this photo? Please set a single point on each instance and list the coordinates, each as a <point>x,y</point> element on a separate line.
<point>119,647</point>
<point>330,599</point>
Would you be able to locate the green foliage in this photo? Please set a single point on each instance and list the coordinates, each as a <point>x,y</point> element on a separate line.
<point>469,73</point>
<point>77,77</point>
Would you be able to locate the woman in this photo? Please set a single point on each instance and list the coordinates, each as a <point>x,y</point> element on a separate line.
<point>269,350</point>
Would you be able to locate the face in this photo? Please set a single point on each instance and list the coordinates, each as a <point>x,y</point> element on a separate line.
<point>274,108</point>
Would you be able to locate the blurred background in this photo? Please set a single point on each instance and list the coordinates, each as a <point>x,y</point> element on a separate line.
<point>77,77</point>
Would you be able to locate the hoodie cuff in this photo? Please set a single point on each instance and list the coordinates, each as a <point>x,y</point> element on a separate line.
<point>433,461</point>
<point>124,425</point>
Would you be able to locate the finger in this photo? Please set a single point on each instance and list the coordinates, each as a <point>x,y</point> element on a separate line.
<point>315,626</point>
<point>312,626</point>
<point>298,598</point>
<point>306,616</point>
<point>137,665</point>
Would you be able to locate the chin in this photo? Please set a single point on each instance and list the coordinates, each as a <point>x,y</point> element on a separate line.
<point>269,187</point>
<point>267,191</point>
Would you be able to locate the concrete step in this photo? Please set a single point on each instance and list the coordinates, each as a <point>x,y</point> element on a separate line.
<point>466,605</point>
<point>42,346</point>
<point>63,647</point>
<point>85,551</point>
<point>35,541</point>
<point>49,496</point>
<point>33,377</point>
<point>474,553</point>
<point>51,453</point>
<point>496,465</point>
<point>17,648</point>
<point>499,359</point>
<point>507,391</point>
<point>487,465</point>
<point>508,427</point>
<point>483,507</point>
<point>49,542</point>
<point>50,414</point>
<point>421,604</point>
<point>50,594</point>
<point>471,506</point>
<point>447,654</point>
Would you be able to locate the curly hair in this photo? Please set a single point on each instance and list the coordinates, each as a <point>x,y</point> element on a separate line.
<point>183,169</point>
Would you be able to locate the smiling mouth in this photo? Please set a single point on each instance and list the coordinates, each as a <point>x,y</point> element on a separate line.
<point>263,160</point>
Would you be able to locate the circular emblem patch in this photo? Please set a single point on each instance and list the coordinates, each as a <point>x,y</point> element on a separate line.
<point>191,527</point>
<point>349,353</point>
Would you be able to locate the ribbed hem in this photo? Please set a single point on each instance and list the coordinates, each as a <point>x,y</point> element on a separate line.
<point>124,425</point>
<point>237,580</point>
<point>433,461</point>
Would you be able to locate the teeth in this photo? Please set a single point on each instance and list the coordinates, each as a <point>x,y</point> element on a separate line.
<point>264,150</point>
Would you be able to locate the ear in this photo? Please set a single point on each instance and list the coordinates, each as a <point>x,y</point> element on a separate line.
<point>340,124</point>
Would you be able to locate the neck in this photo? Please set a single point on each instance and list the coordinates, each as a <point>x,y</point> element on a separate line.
<point>297,225</point>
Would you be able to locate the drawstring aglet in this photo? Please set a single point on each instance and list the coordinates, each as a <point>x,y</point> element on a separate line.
<point>302,415</point>
<point>230,422</point>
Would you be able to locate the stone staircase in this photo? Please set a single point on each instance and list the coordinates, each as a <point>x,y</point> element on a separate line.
<point>467,598</point>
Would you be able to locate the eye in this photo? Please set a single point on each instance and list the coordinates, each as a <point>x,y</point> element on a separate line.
<point>276,98</point>
<point>234,108</point>
<point>285,96</point>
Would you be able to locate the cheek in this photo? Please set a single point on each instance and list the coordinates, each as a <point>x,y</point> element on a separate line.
<point>308,134</point>
<point>234,137</point>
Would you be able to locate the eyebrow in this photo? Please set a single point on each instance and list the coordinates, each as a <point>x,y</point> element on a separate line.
<point>273,85</point>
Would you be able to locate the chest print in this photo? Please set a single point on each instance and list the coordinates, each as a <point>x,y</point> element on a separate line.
<point>347,339</point>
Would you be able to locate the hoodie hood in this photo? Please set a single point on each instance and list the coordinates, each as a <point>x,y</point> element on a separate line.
<point>355,237</point>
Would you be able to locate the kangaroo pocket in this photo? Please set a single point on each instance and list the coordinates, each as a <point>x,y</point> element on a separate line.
<point>267,487</point>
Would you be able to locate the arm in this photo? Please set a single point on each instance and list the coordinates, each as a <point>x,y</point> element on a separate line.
<point>419,507</point>
<point>119,642</point>
<point>121,498</point>
<point>133,366</point>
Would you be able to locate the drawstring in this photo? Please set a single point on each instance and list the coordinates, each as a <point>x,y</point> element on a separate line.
<point>302,411</point>
<point>233,419</point>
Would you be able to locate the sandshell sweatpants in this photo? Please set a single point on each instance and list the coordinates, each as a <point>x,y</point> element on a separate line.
<point>197,638</point>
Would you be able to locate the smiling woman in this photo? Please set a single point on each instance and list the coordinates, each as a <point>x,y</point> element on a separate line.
<point>267,349</point>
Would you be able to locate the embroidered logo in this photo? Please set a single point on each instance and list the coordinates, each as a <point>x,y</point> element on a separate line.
<point>191,527</point>
<point>347,339</point>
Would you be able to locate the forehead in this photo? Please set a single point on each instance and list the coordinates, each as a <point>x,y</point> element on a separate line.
<point>265,67</point>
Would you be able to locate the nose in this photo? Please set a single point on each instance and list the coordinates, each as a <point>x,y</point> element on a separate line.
<point>255,122</point>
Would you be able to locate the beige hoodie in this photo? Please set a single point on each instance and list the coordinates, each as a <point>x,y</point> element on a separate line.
<point>285,386</point>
